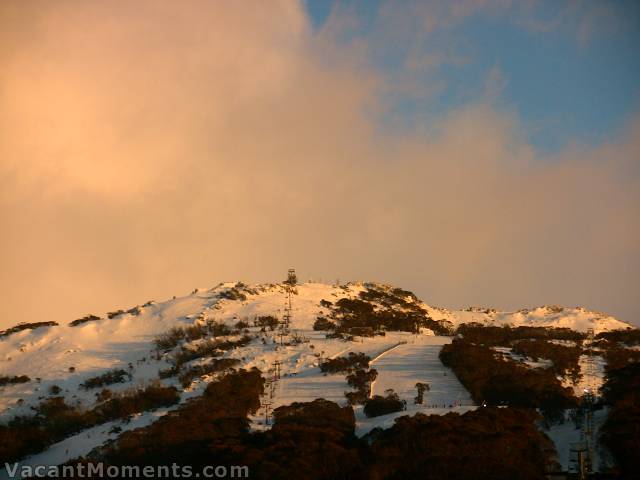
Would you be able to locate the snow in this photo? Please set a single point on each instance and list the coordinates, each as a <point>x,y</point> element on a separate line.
<point>50,354</point>
<point>417,361</point>
<point>578,318</point>
<point>565,434</point>
<point>592,378</point>
<point>406,364</point>
<point>301,379</point>
<point>508,352</point>
<point>82,443</point>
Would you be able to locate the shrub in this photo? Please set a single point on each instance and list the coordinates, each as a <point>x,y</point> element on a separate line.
<point>325,303</point>
<point>13,380</point>
<point>379,405</point>
<point>354,361</point>
<point>168,372</point>
<point>85,319</point>
<point>208,348</point>
<point>241,325</point>
<point>170,339</point>
<point>26,326</point>
<point>215,365</point>
<point>104,395</point>
<point>218,329</point>
<point>195,332</point>
<point>342,336</point>
<point>232,294</point>
<point>126,404</point>
<point>107,378</point>
<point>135,310</point>
<point>267,321</point>
<point>115,313</point>
<point>173,337</point>
<point>322,323</point>
<point>54,390</point>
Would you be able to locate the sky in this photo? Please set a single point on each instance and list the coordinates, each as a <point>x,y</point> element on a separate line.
<point>476,152</point>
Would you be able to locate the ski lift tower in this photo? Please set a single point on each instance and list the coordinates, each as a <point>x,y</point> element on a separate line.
<point>292,281</point>
<point>582,454</point>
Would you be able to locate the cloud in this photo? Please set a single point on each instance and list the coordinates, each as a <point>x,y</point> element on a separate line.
<point>494,83</point>
<point>153,147</point>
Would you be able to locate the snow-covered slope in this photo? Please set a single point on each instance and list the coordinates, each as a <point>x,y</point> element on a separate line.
<point>578,318</point>
<point>66,355</point>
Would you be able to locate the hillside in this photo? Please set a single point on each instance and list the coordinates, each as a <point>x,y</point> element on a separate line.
<point>238,324</point>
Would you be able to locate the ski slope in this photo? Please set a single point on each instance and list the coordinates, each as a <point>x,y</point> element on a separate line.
<point>66,356</point>
<point>417,361</point>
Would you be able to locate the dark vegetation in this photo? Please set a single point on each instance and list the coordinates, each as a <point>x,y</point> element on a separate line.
<point>172,338</point>
<point>137,309</point>
<point>375,310</point>
<point>205,348</point>
<point>110,377</point>
<point>354,361</point>
<point>621,431</point>
<point>267,321</point>
<point>505,336</point>
<point>379,405</point>
<point>566,360</point>
<point>208,430</point>
<point>54,390</point>
<point>533,342</point>
<point>323,323</point>
<point>208,348</point>
<point>421,388</point>
<point>630,336</point>
<point>124,405</point>
<point>26,326</point>
<point>85,319</point>
<point>214,366</point>
<point>489,443</point>
<point>617,357</point>
<point>497,381</point>
<point>233,293</point>
<point>241,325</point>
<point>310,441</point>
<point>316,440</point>
<point>55,420</point>
<point>354,313</point>
<point>325,303</point>
<point>13,380</point>
<point>115,313</point>
<point>361,381</point>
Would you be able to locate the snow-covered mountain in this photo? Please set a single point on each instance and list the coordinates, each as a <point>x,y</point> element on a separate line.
<point>61,357</point>
<point>98,343</point>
